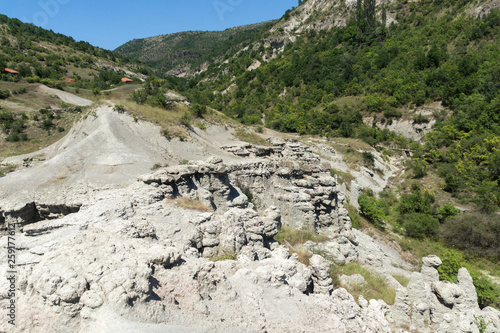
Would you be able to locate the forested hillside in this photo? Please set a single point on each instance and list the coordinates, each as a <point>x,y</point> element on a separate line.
<point>35,57</point>
<point>179,52</point>
<point>39,54</point>
<point>325,81</point>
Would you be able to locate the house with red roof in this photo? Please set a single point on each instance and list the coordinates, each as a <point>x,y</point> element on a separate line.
<point>10,72</point>
<point>126,80</point>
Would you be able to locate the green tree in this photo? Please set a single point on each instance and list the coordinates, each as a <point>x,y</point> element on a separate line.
<point>372,210</point>
<point>369,13</point>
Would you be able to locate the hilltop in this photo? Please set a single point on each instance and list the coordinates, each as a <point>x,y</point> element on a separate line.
<point>184,53</point>
<point>34,111</point>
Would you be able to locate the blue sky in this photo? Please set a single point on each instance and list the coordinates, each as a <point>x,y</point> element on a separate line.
<point>111,23</point>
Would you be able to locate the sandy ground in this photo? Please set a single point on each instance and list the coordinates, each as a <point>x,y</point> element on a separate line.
<point>105,149</point>
<point>65,96</point>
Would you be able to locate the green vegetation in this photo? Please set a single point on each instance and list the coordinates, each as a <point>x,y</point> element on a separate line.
<point>343,177</point>
<point>374,210</point>
<point>190,48</point>
<point>488,293</point>
<point>478,235</point>
<point>295,238</point>
<point>6,169</point>
<point>224,255</point>
<point>436,52</point>
<point>42,56</point>
<point>481,323</point>
<point>404,281</point>
<point>375,287</point>
<point>13,125</point>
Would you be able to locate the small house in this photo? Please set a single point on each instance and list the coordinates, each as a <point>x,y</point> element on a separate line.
<point>11,72</point>
<point>126,80</point>
<point>69,80</point>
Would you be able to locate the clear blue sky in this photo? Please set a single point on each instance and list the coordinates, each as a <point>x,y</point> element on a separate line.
<point>111,23</point>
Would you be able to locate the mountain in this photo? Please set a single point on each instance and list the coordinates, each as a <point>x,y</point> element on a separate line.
<point>33,108</point>
<point>178,54</point>
<point>394,65</point>
<point>265,192</point>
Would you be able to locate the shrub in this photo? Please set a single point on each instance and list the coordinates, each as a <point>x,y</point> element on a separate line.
<point>166,133</point>
<point>476,234</point>
<point>4,94</point>
<point>421,119</point>
<point>368,158</point>
<point>392,113</point>
<point>47,124</point>
<point>372,210</point>
<point>420,225</point>
<point>452,260</point>
<point>21,90</point>
<point>119,108</point>
<point>199,110</point>
<point>419,167</point>
<point>448,210</point>
<point>416,201</point>
<point>186,119</point>
<point>487,197</point>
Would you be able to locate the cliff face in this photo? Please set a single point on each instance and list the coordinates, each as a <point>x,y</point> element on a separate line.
<point>183,248</point>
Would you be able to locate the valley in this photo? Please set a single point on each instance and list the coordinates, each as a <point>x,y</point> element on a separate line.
<point>334,168</point>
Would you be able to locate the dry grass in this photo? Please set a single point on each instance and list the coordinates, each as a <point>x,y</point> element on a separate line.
<point>192,204</point>
<point>404,281</point>
<point>7,169</point>
<point>342,177</point>
<point>157,115</point>
<point>349,101</point>
<point>375,287</point>
<point>250,137</point>
<point>295,238</point>
<point>224,255</point>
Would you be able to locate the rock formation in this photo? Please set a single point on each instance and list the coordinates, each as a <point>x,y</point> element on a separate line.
<point>430,305</point>
<point>190,248</point>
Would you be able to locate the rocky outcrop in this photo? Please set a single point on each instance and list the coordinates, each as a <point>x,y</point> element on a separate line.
<point>322,282</point>
<point>134,256</point>
<point>430,305</point>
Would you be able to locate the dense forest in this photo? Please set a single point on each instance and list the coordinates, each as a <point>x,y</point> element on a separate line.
<point>436,52</point>
<point>191,48</point>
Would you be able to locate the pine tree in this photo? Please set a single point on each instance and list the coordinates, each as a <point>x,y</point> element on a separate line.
<point>360,17</point>
<point>369,13</point>
<point>384,19</point>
